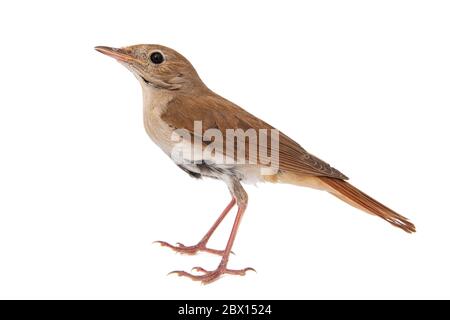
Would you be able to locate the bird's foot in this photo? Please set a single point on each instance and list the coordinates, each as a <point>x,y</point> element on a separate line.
<point>211,276</point>
<point>190,250</point>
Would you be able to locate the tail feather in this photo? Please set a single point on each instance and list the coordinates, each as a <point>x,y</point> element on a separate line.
<point>355,197</point>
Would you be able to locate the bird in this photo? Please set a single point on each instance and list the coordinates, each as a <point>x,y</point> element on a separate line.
<point>180,110</point>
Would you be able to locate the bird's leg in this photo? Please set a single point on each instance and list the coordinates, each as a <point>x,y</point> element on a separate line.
<point>210,276</point>
<point>201,246</point>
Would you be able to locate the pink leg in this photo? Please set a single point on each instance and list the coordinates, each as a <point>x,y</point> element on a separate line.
<point>210,276</point>
<point>201,246</point>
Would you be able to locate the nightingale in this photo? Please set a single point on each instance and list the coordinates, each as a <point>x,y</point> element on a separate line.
<point>182,114</point>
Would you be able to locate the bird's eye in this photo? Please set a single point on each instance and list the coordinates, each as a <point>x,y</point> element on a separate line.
<point>157,57</point>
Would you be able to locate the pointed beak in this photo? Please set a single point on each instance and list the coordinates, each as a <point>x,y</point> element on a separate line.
<point>117,53</point>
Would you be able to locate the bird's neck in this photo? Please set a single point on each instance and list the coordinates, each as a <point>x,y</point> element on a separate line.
<point>155,100</point>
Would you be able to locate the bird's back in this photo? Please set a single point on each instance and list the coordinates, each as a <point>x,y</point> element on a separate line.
<point>217,113</point>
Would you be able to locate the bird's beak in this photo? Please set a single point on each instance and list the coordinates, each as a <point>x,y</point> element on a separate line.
<point>117,53</point>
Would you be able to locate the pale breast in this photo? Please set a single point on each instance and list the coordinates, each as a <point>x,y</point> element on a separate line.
<point>157,129</point>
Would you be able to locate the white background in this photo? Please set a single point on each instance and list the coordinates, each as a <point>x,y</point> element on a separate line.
<point>83,192</point>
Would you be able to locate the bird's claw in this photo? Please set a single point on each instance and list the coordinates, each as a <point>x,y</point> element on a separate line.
<point>210,276</point>
<point>199,269</point>
<point>190,250</point>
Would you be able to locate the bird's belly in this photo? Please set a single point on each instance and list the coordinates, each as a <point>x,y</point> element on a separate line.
<point>183,153</point>
<point>243,173</point>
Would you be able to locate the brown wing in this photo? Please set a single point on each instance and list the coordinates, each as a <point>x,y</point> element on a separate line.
<point>219,113</point>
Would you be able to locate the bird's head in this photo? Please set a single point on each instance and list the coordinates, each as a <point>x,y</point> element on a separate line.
<point>156,66</point>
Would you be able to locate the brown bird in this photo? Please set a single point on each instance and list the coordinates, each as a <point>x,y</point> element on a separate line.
<point>181,115</point>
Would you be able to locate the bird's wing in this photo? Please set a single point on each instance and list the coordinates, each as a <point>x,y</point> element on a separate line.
<point>218,113</point>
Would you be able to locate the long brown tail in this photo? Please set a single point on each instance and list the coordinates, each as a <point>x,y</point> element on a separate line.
<point>348,193</point>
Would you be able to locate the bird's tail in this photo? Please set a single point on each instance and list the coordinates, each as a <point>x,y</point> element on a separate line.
<point>355,197</point>
<point>349,194</point>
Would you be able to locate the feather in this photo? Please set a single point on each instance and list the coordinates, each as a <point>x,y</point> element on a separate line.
<point>355,197</point>
<point>218,113</point>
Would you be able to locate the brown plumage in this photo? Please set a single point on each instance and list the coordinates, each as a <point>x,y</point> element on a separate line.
<point>219,113</point>
<point>175,97</point>
<point>355,197</point>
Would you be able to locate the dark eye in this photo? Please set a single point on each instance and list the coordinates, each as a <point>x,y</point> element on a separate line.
<point>157,57</point>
